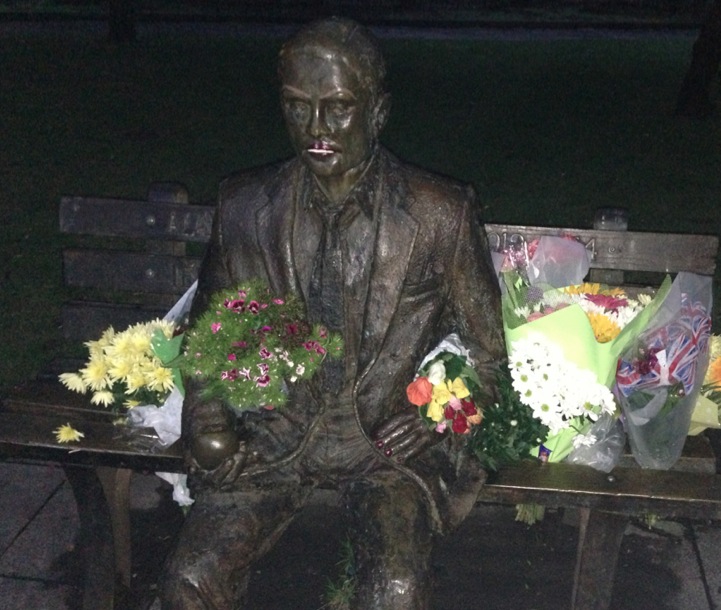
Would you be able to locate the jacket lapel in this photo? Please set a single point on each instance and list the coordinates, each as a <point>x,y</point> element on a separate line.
<point>274,228</point>
<point>395,238</point>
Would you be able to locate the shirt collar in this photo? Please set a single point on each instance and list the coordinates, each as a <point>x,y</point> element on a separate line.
<point>361,196</point>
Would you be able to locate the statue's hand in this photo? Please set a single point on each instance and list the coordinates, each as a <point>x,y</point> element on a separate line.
<point>224,475</point>
<point>213,452</point>
<point>403,436</point>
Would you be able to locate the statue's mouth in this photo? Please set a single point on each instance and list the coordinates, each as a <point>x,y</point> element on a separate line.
<point>321,148</point>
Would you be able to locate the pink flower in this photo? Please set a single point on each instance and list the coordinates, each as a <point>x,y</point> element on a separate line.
<point>265,353</point>
<point>230,375</point>
<point>608,302</point>
<point>262,381</point>
<point>263,368</point>
<point>215,327</point>
<point>237,305</point>
<point>266,329</point>
<point>254,307</point>
<point>245,373</point>
<point>232,357</point>
<point>278,301</point>
<point>240,344</point>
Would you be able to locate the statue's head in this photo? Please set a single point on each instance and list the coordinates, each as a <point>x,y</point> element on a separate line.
<point>333,99</point>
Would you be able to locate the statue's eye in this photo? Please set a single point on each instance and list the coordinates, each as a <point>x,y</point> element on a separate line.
<point>339,109</point>
<point>297,110</point>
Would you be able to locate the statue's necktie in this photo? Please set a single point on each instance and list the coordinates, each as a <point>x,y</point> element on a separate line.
<point>326,294</point>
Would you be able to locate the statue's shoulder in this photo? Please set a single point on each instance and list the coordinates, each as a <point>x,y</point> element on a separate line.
<point>428,186</point>
<point>250,185</point>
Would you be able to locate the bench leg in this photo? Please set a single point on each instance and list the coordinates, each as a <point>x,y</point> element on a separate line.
<point>96,548</point>
<point>599,540</point>
<point>116,485</point>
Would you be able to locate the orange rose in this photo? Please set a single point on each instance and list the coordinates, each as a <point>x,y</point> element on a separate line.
<point>419,391</point>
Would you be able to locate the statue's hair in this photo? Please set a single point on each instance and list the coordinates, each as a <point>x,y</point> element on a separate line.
<point>358,46</point>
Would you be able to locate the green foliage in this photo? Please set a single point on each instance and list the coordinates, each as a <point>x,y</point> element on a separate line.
<point>250,343</point>
<point>508,431</point>
<point>339,593</point>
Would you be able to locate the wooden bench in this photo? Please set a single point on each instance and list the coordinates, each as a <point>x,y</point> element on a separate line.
<point>131,260</point>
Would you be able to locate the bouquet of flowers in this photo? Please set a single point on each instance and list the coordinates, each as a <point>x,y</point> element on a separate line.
<point>250,343</point>
<point>660,376</point>
<point>448,393</point>
<point>564,341</point>
<point>444,390</point>
<point>706,412</point>
<point>130,368</point>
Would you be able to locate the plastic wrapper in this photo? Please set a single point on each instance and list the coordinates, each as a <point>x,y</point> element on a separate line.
<point>659,377</point>
<point>165,420</point>
<point>604,452</point>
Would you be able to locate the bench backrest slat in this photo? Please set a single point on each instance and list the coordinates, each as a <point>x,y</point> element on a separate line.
<point>624,250</point>
<point>113,270</point>
<point>134,252</point>
<point>135,219</point>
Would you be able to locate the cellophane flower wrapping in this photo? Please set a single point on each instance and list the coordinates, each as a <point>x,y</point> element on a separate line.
<point>662,371</point>
<point>564,341</point>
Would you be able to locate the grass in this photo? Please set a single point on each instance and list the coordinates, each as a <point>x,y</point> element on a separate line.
<point>548,131</point>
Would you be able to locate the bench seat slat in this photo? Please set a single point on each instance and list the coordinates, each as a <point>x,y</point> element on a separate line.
<point>135,219</point>
<point>669,493</point>
<point>32,411</point>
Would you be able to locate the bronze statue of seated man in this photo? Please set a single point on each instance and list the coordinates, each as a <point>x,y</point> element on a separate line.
<point>394,258</point>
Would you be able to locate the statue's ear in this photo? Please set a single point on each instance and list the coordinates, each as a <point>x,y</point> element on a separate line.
<point>381,111</point>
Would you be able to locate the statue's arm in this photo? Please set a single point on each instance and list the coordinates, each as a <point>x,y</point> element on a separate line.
<point>210,440</point>
<point>475,298</point>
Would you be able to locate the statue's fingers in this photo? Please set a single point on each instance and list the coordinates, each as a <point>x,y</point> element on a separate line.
<point>395,426</point>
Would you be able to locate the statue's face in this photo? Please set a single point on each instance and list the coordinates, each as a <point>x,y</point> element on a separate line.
<point>331,118</point>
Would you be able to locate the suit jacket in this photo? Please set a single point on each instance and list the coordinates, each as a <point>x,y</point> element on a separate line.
<point>430,275</point>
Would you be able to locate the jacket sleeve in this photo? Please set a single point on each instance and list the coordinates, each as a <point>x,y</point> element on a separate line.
<point>475,298</point>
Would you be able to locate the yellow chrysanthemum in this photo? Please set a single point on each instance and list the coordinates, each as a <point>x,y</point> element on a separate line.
<point>129,404</point>
<point>604,328</point>
<point>134,381</point>
<point>120,368</point>
<point>160,379</point>
<point>104,398</point>
<point>95,374</point>
<point>713,374</point>
<point>73,382</point>
<point>593,288</point>
<point>714,347</point>
<point>140,340</point>
<point>67,434</point>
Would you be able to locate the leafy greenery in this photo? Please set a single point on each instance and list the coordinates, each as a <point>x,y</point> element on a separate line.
<point>508,431</point>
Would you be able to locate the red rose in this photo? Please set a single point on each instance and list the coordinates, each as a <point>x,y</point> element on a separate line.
<point>460,424</point>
